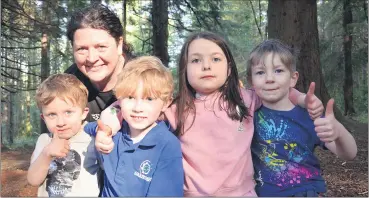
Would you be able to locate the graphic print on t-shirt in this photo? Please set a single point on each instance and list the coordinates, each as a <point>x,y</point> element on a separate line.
<point>282,153</point>
<point>62,173</point>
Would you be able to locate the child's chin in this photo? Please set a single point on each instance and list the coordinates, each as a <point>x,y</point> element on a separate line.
<point>66,135</point>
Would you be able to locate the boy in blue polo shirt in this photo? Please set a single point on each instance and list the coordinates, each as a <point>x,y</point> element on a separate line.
<point>146,159</point>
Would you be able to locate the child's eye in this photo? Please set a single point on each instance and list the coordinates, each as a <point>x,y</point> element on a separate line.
<point>196,60</point>
<point>259,72</point>
<point>68,112</point>
<point>279,71</point>
<point>51,115</point>
<point>130,97</point>
<point>150,98</point>
<point>216,59</point>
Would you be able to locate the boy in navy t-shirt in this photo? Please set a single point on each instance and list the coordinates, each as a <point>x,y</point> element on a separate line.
<point>146,159</point>
<point>285,136</point>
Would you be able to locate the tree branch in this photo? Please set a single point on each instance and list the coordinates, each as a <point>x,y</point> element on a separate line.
<point>17,69</point>
<point>13,61</point>
<point>256,21</point>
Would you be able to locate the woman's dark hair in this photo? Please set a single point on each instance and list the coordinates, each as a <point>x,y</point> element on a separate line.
<point>230,91</point>
<point>98,16</point>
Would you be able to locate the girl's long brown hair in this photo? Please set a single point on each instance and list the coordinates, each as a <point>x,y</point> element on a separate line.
<point>230,91</point>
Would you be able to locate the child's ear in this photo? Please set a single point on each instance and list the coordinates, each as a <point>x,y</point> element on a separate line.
<point>85,112</point>
<point>294,78</point>
<point>167,104</point>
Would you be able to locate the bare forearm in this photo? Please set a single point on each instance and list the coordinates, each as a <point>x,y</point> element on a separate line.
<point>345,145</point>
<point>38,170</point>
<point>297,97</point>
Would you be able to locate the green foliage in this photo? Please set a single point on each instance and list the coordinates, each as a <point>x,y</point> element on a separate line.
<point>24,142</point>
<point>241,23</point>
<point>330,15</point>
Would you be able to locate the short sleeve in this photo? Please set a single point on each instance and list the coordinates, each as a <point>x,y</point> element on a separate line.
<point>251,100</point>
<point>42,141</point>
<point>90,128</point>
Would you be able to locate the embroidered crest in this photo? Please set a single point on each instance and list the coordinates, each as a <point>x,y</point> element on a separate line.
<point>145,169</point>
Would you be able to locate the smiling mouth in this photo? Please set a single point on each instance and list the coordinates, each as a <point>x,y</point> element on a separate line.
<point>138,117</point>
<point>93,68</point>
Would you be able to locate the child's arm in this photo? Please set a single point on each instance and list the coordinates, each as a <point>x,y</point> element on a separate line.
<point>39,168</point>
<point>112,117</point>
<point>168,178</point>
<point>336,137</point>
<point>103,136</point>
<point>309,101</point>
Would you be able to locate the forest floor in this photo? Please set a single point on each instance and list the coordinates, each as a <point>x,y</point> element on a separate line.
<point>347,179</point>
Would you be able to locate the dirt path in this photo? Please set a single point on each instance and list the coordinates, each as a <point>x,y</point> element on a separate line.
<point>348,179</point>
<point>14,165</point>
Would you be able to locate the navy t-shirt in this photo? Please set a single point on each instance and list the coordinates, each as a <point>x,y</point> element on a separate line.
<point>283,153</point>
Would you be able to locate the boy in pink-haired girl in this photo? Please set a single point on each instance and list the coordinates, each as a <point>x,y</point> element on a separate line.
<point>213,118</point>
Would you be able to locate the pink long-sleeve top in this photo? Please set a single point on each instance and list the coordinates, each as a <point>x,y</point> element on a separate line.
<point>216,150</point>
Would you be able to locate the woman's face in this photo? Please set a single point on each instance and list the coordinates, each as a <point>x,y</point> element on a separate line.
<point>97,55</point>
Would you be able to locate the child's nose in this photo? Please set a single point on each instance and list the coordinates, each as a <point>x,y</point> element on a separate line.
<point>269,77</point>
<point>60,121</point>
<point>137,106</point>
<point>206,65</point>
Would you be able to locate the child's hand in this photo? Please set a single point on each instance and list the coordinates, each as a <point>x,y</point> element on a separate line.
<point>313,104</point>
<point>324,127</point>
<point>57,147</point>
<point>104,141</point>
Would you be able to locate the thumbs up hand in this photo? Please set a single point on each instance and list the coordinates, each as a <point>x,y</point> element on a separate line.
<point>104,140</point>
<point>324,127</point>
<point>57,147</point>
<point>313,104</point>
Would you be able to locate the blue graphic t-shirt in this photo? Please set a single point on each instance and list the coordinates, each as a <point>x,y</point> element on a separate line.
<point>283,153</point>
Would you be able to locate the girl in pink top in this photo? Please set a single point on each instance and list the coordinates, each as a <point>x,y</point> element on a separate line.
<point>213,118</point>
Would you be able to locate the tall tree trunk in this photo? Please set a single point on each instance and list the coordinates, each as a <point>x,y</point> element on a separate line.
<point>45,61</point>
<point>295,23</point>
<point>11,118</point>
<point>347,46</point>
<point>159,22</point>
<point>124,19</point>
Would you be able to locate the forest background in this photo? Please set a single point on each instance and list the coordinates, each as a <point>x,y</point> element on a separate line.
<point>330,35</point>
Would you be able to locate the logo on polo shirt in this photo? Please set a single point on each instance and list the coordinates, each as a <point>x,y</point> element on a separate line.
<point>145,169</point>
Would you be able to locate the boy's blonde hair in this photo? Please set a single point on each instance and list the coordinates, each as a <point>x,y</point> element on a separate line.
<point>63,86</point>
<point>156,78</point>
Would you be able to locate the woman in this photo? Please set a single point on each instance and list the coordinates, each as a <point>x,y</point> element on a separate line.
<point>100,53</point>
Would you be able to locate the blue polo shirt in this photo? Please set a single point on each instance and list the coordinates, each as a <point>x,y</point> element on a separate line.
<point>151,167</point>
